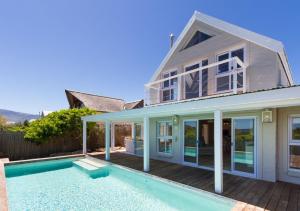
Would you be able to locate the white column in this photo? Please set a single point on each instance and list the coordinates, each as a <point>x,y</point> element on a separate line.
<point>133,132</point>
<point>234,76</point>
<point>218,139</point>
<point>179,88</point>
<point>146,145</point>
<point>244,81</point>
<point>113,141</point>
<point>107,140</point>
<point>84,137</point>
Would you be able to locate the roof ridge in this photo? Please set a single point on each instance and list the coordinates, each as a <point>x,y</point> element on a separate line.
<point>67,90</point>
<point>134,101</point>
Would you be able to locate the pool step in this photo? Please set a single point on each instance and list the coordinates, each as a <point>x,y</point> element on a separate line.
<point>89,165</point>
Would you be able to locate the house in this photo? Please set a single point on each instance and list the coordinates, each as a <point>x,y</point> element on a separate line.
<point>100,103</point>
<point>104,104</point>
<point>222,99</point>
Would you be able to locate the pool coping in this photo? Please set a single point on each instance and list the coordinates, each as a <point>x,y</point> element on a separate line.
<point>3,192</point>
<point>3,195</point>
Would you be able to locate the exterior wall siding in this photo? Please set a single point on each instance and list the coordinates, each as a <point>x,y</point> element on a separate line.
<point>264,69</point>
<point>265,141</point>
<point>282,143</point>
<point>262,72</point>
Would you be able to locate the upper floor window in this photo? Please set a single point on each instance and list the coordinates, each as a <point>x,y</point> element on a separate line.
<point>225,67</point>
<point>169,86</point>
<point>197,38</point>
<point>294,143</point>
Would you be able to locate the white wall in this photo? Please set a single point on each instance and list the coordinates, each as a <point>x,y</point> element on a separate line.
<point>264,68</point>
<point>283,173</point>
<point>265,141</point>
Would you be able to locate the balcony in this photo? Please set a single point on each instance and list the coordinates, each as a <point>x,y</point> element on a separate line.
<point>198,82</point>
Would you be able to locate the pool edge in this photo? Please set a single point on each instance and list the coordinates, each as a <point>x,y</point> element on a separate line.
<point>42,159</point>
<point>3,194</point>
<point>236,204</point>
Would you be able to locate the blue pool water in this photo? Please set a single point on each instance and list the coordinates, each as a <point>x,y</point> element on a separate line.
<point>60,185</point>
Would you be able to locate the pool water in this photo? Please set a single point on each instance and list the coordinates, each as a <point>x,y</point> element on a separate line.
<point>61,185</point>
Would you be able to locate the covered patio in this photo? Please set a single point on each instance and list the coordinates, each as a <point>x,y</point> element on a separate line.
<point>253,194</point>
<point>265,99</point>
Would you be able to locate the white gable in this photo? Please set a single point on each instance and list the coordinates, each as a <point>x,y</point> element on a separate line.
<point>237,31</point>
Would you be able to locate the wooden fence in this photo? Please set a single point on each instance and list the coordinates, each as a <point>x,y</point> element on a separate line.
<point>13,145</point>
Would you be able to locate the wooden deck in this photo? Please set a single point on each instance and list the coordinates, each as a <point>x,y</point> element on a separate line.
<point>255,194</point>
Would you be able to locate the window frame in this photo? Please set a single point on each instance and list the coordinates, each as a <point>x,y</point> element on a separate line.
<point>165,137</point>
<point>142,131</point>
<point>229,73</point>
<point>291,142</point>
<point>229,52</point>
<point>171,87</point>
<point>187,43</point>
<point>200,63</point>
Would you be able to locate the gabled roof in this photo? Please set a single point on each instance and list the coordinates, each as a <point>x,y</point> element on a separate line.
<point>100,103</point>
<point>133,105</point>
<point>266,42</point>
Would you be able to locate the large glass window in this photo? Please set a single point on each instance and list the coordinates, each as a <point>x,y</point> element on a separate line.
<point>294,143</point>
<point>192,82</point>
<point>165,137</point>
<point>238,53</point>
<point>223,83</point>
<point>168,87</point>
<point>224,78</point>
<point>244,145</point>
<point>204,78</point>
<point>223,68</point>
<point>197,38</point>
<point>196,83</point>
<point>138,132</point>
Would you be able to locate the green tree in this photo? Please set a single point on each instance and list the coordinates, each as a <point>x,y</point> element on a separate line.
<point>57,124</point>
<point>3,123</point>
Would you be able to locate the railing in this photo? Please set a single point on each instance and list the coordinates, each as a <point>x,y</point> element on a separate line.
<point>219,78</point>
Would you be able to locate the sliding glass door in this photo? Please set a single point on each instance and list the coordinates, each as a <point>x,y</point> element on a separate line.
<point>190,141</point>
<point>243,161</point>
<point>239,144</point>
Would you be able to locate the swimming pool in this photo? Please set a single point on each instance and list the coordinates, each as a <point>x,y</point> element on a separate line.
<point>62,185</point>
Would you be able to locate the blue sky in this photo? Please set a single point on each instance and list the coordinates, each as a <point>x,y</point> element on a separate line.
<point>111,47</point>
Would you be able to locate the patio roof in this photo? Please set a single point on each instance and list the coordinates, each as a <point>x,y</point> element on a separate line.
<point>273,98</point>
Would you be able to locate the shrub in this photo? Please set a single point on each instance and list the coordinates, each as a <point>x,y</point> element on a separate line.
<point>57,124</point>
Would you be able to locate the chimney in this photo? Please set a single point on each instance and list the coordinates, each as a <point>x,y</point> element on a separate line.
<point>172,37</point>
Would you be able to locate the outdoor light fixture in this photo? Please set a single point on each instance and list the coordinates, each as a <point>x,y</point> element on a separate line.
<point>175,120</point>
<point>267,116</point>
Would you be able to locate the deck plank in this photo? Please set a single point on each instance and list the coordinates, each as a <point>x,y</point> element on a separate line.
<point>252,194</point>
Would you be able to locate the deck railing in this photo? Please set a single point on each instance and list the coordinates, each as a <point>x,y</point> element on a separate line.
<point>219,78</point>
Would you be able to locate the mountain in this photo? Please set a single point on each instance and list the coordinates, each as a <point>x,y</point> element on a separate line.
<point>13,116</point>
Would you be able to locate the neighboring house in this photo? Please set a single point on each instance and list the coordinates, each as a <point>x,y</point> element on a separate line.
<point>104,104</point>
<point>100,103</point>
<point>222,99</point>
